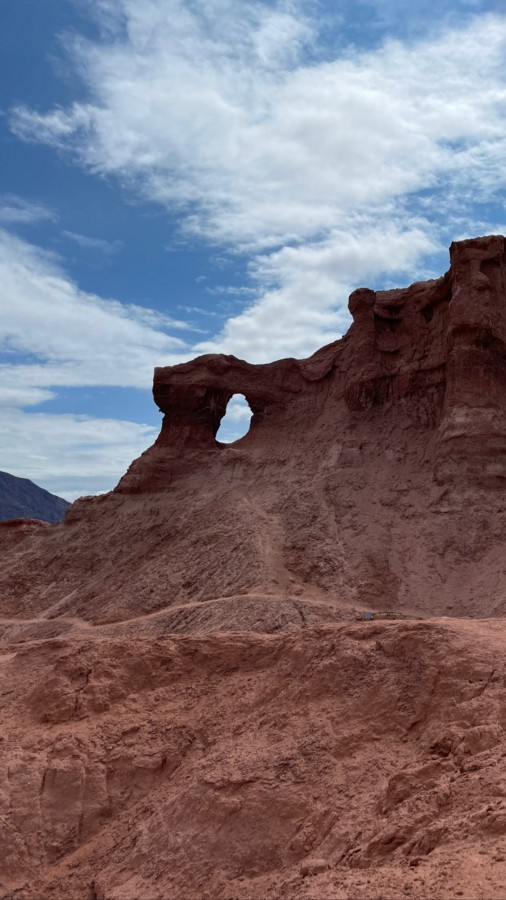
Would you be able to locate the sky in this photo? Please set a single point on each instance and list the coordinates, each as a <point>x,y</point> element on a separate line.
<point>180,178</point>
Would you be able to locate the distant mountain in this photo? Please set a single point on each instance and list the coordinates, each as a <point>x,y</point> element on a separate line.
<point>21,498</point>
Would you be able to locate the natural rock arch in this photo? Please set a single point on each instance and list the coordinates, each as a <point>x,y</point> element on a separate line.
<point>236,422</point>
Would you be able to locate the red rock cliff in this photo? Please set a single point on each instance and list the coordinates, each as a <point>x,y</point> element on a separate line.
<point>371,476</point>
<point>357,759</point>
<point>434,351</point>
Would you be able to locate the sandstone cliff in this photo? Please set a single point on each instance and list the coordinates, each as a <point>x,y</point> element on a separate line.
<point>372,477</point>
<point>188,708</point>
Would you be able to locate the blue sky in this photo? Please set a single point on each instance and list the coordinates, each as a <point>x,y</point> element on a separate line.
<point>181,178</point>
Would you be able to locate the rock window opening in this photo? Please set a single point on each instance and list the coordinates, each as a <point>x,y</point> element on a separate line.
<point>236,421</point>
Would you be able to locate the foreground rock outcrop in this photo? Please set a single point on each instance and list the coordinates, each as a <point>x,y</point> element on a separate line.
<point>345,761</point>
<point>192,704</point>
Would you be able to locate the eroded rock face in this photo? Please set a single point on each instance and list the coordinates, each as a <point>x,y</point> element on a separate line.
<point>12,531</point>
<point>184,709</point>
<point>372,477</point>
<point>345,761</point>
<point>435,350</point>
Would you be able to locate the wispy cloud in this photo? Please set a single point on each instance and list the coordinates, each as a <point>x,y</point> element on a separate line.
<point>385,15</point>
<point>94,243</point>
<point>71,337</point>
<point>231,290</point>
<point>70,455</point>
<point>201,311</point>
<point>326,166</point>
<point>15,210</point>
<point>53,335</point>
<point>324,171</point>
<point>261,150</point>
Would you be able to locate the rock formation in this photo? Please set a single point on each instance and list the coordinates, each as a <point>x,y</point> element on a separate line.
<point>433,354</point>
<point>372,476</point>
<point>189,705</point>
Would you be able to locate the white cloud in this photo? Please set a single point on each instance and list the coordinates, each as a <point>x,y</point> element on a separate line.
<point>70,455</point>
<point>260,149</point>
<point>15,210</point>
<point>236,421</point>
<point>71,337</point>
<point>14,393</point>
<point>93,243</point>
<point>215,109</point>
<point>53,335</point>
<point>66,337</point>
<point>231,290</point>
<point>328,172</point>
<point>306,289</point>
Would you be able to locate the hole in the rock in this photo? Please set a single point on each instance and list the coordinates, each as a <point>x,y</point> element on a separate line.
<point>236,421</point>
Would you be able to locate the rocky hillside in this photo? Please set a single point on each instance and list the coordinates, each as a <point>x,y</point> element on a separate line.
<point>277,668</point>
<point>372,476</point>
<point>21,498</point>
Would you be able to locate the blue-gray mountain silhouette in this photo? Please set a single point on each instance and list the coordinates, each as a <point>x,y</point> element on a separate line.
<point>21,498</point>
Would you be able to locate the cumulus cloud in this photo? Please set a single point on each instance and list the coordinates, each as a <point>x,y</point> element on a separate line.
<point>315,167</point>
